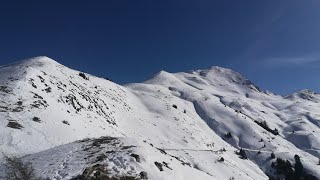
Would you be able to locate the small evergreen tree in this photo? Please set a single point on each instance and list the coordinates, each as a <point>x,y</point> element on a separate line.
<point>221,159</point>
<point>228,135</point>
<point>275,131</point>
<point>17,170</point>
<point>242,154</point>
<point>272,155</point>
<point>283,167</point>
<point>259,152</point>
<point>298,167</point>
<point>296,172</point>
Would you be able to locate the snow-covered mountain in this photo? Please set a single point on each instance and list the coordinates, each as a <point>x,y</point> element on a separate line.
<point>184,125</point>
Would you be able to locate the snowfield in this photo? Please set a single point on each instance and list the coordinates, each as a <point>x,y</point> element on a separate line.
<point>175,126</point>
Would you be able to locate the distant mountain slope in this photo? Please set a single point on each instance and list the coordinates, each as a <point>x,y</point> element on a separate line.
<point>188,120</point>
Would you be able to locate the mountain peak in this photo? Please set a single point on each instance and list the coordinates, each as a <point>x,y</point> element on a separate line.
<point>26,67</point>
<point>202,118</point>
<point>217,73</point>
<point>162,76</point>
<point>305,94</point>
<point>219,68</point>
<point>306,91</point>
<point>38,61</point>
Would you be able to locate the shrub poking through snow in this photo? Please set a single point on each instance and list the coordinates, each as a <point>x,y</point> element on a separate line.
<point>272,155</point>
<point>259,152</point>
<point>4,89</point>
<point>101,157</point>
<point>15,169</point>
<point>166,165</point>
<point>221,159</point>
<point>242,154</point>
<point>19,103</point>
<point>175,106</point>
<point>265,126</point>
<point>65,122</point>
<point>81,74</point>
<point>14,124</point>
<point>48,90</point>
<point>136,156</point>
<point>100,172</point>
<point>222,150</point>
<point>228,135</point>
<point>36,119</point>
<point>143,175</point>
<point>159,166</point>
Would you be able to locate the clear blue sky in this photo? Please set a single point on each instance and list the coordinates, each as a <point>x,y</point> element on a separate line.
<point>274,43</point>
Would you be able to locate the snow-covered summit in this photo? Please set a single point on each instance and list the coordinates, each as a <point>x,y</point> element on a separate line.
<point>20,69</point>
<point>304,94</point>
<point>33,62</point>
<point>182,125</point>
<point>216,72</point>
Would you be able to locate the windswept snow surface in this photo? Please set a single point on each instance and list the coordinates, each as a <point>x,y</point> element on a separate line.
<point>178,120</point>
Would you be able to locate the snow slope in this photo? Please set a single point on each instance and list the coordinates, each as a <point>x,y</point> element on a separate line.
<point>178,119</point>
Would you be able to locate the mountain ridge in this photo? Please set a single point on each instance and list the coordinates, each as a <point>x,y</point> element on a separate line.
<point>214,68</point>
<point>186,115</point>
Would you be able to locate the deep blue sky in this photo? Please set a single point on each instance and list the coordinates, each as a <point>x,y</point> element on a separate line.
<point>274,43</point>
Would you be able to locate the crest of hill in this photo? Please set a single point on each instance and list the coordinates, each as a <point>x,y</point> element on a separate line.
<point>20,69</point>
<point>195,117</point>
<point>214,77</point>
<point>304,94</point>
